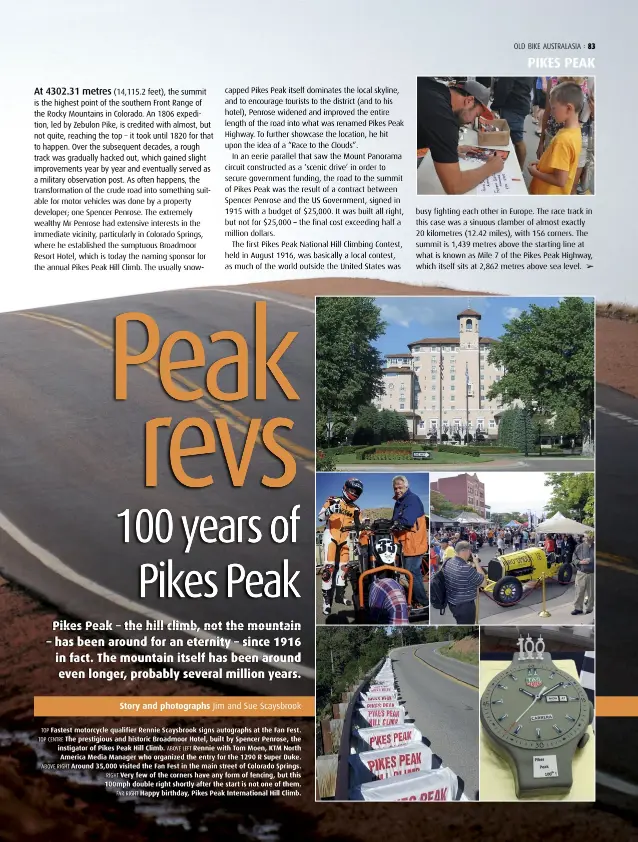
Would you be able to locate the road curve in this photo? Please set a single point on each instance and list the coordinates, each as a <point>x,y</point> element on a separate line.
<point>445,709</point>
<point>617,574</point>
<point>72,458</point>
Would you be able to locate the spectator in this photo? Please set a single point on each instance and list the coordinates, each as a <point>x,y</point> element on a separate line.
<point>513,100</point>
<point>441,111</point>
<point>463,576</point>
<point>500,543</point>
<point>558,169</point>
<point>410,530</point>
<point>447,550</point>
<point>387,603</point>
<point>584,557</point>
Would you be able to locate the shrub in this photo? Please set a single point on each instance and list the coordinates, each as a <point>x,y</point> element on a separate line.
<point>451,448</point>
<point>325,461</point>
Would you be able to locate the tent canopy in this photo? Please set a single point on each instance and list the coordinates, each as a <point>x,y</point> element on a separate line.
<point>564,525</point>
<point>513,523</point>
<point>470,517</point>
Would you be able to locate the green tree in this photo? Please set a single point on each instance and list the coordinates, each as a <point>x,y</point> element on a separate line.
<point>566,422</point>
<point>349,367</point>
<point>441,506</point>
<point>573,495</point>
<point>372,426</point>
<point>548,355</point>
<point>392,426</point>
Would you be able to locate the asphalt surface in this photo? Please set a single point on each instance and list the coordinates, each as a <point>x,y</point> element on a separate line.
<point>445,707</point>
<point>72,458</point>
<point>617,574</point>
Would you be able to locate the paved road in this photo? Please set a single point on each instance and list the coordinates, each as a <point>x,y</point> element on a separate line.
<point>72,458</point>
<point>617,574</point>
<point>445,709</point>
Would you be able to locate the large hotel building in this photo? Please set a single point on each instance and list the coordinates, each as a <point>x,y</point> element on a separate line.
<point>440,384</point>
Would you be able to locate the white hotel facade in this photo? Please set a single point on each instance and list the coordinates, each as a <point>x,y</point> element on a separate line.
<point>428,383</point>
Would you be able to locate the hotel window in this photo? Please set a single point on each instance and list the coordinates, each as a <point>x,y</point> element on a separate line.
<point>433,388</point>
<point>401,406</point>
<point>492,424</point>
<point>452,388</point>
<point>452,377</point>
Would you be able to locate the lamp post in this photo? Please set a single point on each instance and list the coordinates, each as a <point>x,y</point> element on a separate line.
<point>467,403</point>
<point>329,426</point>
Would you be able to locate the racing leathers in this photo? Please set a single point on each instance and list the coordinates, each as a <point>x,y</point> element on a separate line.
<point>339,516</point>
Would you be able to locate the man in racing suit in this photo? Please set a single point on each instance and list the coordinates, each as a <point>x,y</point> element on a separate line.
<point>340,514</point>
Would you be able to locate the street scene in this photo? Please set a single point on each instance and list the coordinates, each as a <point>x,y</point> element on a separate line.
<point>397,714</point>
<point>371,548</point>
<point>441,383</point>
<point>537,708</point>
<point>513,548</point>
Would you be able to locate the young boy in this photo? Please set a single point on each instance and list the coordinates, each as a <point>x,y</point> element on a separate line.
<point>554,174</point>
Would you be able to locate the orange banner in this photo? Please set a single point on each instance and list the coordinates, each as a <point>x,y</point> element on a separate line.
<point>616,705</point>
<point>107,706</point>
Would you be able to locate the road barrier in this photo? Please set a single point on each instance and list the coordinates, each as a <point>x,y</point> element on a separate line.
<point>383,755</point>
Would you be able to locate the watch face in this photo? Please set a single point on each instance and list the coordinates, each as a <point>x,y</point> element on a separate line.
<point>533,705</point>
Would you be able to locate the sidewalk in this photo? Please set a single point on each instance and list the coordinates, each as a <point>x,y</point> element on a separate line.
<point>561,615</point>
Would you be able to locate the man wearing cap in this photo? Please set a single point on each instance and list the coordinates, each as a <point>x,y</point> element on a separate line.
<point>441,111</point>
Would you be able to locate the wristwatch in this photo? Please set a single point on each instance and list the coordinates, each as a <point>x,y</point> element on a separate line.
<point>536,716</point>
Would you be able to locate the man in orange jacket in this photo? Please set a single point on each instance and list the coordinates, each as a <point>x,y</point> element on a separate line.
<point>339,514</point>
<point>409,525</point>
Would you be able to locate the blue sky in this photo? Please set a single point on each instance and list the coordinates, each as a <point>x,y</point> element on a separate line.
<point>410,319</point>
<point>377,488</point>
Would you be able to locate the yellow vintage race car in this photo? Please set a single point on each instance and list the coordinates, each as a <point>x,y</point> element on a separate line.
<point>506,574</point>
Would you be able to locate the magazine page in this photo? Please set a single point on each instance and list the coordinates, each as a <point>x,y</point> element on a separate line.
<point>318,349</point>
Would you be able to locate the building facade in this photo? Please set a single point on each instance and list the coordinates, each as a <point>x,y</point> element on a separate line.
<point>441,383</point>
<point>464,490</point>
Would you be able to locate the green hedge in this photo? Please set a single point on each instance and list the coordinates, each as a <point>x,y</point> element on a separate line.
<point>395,449</point>
<point>459,448</point>
<point>344,448</point>
<point>496,449</point>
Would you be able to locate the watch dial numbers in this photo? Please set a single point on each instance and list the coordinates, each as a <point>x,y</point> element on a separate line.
<point>538,713</point>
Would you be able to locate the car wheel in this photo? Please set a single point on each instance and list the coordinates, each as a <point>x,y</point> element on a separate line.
<point>508,591</point>
<point>565,573</point>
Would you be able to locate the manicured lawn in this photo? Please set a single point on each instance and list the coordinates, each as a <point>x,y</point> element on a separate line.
<point>438,458</point>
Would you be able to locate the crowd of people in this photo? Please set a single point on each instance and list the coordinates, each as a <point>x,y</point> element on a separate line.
<point>455,551</point>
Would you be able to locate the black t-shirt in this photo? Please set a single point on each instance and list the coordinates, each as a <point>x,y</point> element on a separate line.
<point>513,93</point>
<point>437,128</point>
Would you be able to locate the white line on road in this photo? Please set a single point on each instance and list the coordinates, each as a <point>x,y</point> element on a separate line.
<point>620,415</point>
<point>57,566</point>
<point>617,784</point>
<point>259,296</point>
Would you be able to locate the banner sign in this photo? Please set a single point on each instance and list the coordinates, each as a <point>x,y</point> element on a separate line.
<point>436,785</point>
<point>383,716</point>
<point>388,763</point>
<point>390,737</point>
